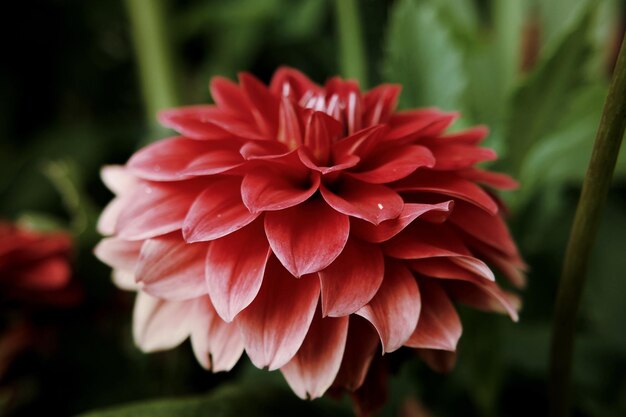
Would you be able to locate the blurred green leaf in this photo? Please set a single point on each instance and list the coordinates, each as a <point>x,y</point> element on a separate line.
<point>422,56</point>
<point>230,401</point>
<point>538,103</point>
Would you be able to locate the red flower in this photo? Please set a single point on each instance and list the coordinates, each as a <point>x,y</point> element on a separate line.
<point>312,227</point>
<point>34,266</point>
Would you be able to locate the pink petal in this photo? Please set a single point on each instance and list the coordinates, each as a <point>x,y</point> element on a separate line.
<point>164,160</point>
<point>449,185</point>
<point>352,279</point>
<point>118,253</point>
<point>156,209</point>
<point>439,326</point>
<point>160,324</point>
<point>393,164</point>
<point>171,269</point>
<point>389,228</point>
<point>371,202</point>
<point>270,188</point>
<point>275,324</point>
<point>117,179</point>
<point>216,212</point>
<point>360,349</point>
<point>308,237</point>
<point>235,265</point>
<point>312,370</point>
<point>395,309</point>
<point>107,221</point>
<point>216,344</point>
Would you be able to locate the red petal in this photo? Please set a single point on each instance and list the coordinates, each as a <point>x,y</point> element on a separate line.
<point>472,136</point>
<point>47,274</point>
<point>275,324</point>
<point>118,253</point>
<point>216,212</point>
<point>308,237</point>
<point>207,122</point>
<point>439,326</point>
<point>415,124</point>
<point>216,344</point>
<point>289,126</point>
<point>228,95</point>
<point>485,227</point>
<point>393,164</point>
<point>389,228</point>
<point>321,131</point>
<point>372,202</point>
<point>425,240</point>
<point>352,279</point>
<point>215,162</point>
<point>270,188</point>
<point>311,372</point>
<point>290,82</point>
<point>449,185</point>
<point>263,105</point>
<point>454,156</point>
<point>235,265</point>
<point>379,103</point>
<point>164,160</point>
<point>161,324</point>
<point>395,309</point>
<point>491,179</point>
<point>358,144</point>
<point>154,209</point>
<point>359,352</point>
<point>172,269</point>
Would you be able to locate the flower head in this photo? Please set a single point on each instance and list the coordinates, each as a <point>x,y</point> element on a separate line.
<point>312,226</point>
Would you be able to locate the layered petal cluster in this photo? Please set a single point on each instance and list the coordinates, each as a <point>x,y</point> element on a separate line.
<point>313,227</point>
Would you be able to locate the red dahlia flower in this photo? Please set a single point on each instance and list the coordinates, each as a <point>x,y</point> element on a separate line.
<point>312,227</point>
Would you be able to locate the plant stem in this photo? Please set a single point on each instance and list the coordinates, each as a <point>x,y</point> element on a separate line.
<point>586,221</point>
<point>352,58</point>
<point>154,55</point>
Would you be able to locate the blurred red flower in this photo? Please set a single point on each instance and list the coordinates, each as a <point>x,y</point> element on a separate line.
<point>309,226</point>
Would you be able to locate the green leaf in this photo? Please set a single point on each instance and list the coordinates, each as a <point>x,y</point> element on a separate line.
<point>423,57</point>
<point>538,104</point>
<point>258,400</point>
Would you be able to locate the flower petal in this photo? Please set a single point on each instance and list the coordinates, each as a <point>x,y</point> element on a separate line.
<point>395,309</point>
<point>160,324</point>
<point>117,179</point>
<point>229,96</point>
<point>352,279</point>
<point>308,237</point>
<point>425,240</point>
<point>389,228</point>
<point>290,82</point>
<point>312,370</point>
<point>118,253</point>
<point>439,325</point>
<point>263,105</point>
<point>216,344</point>
<point>235,265</point>
<point>360,350</point>
<point>449,185</point>
<point>171,269</point>
<point>393,164</point>
<point>216,212</point>
<point>441,361</point>
<point>154,209</point>
<point>491,179</point>
<point>275,324</point>
<point>415,124</point>
<point>372,202</point>
<point>379,103</point>
<point>458,156</point>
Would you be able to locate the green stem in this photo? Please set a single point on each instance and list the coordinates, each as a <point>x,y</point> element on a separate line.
<point>154,55</point>
<point>586,222</point>
<point>352,58</point>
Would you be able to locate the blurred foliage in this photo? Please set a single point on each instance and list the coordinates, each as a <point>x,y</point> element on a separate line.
<point>535,71</point>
